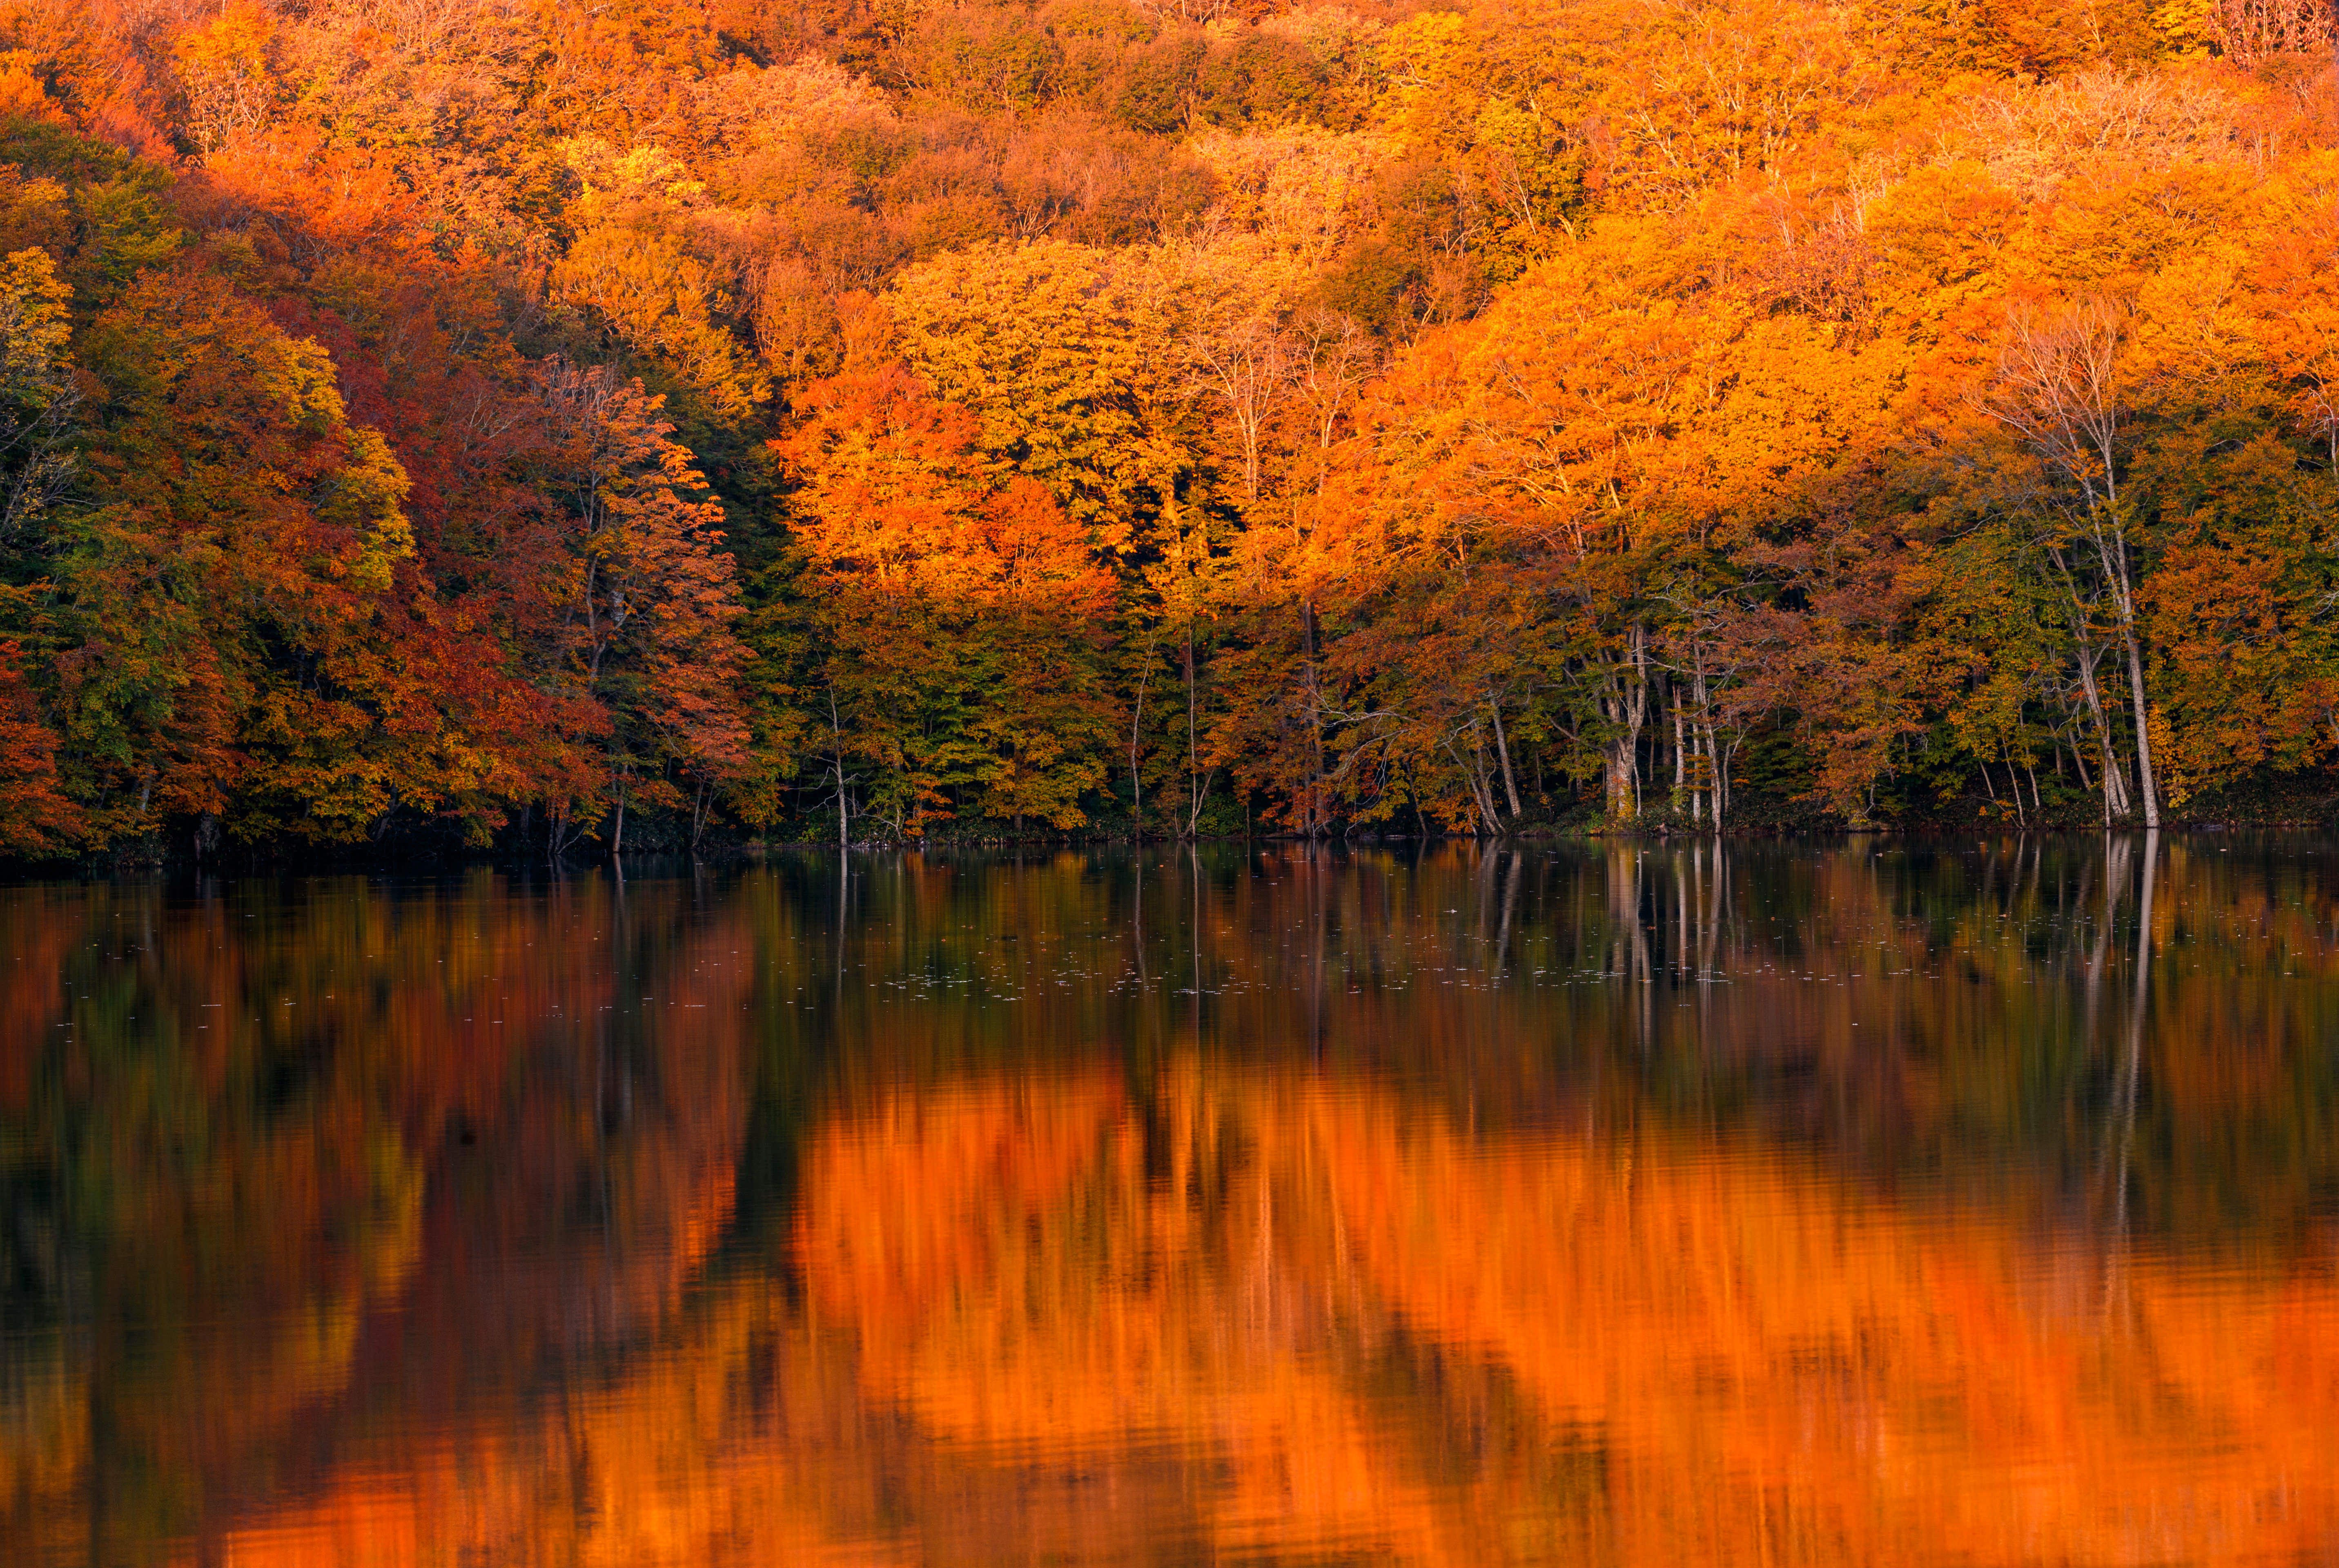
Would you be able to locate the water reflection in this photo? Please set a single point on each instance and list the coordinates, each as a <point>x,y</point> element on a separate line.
<point>1883,1203</point>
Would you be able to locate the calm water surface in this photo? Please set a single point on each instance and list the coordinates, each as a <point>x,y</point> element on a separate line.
<point>1869,1203</point>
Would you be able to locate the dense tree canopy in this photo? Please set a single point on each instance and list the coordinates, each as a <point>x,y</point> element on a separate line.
<point>502,420</point>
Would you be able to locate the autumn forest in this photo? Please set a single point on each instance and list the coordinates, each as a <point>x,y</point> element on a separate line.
<point>568,429</point>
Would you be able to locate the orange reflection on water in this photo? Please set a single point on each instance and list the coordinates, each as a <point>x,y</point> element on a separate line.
<point>1768,1364</point>
<point>1283,1319</point>
<point>1427,1265</point>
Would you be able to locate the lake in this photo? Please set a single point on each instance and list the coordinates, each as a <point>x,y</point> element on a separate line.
<point>1875,1202</point>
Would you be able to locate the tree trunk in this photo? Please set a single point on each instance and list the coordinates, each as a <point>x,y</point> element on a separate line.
<point>1706,736</point>
<point>1313,819</point>
<point>1717,765</point>
<point>1473,773</point>
<point>1640,705</point>
<point>1627,705</point>
<point>1193,757</point>
<point>2115,779</point>
<point>2111,546</point>
<point>1712,774</point>
<point>1136,728</point>
<point>1503,749</point>
<point>2145,783</point>
<point>1681,763</point>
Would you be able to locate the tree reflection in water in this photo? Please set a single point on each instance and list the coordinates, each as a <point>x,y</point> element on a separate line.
<point>1875,1203</point>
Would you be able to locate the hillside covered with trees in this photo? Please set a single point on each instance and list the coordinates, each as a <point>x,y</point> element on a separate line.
<point>568,426</point>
